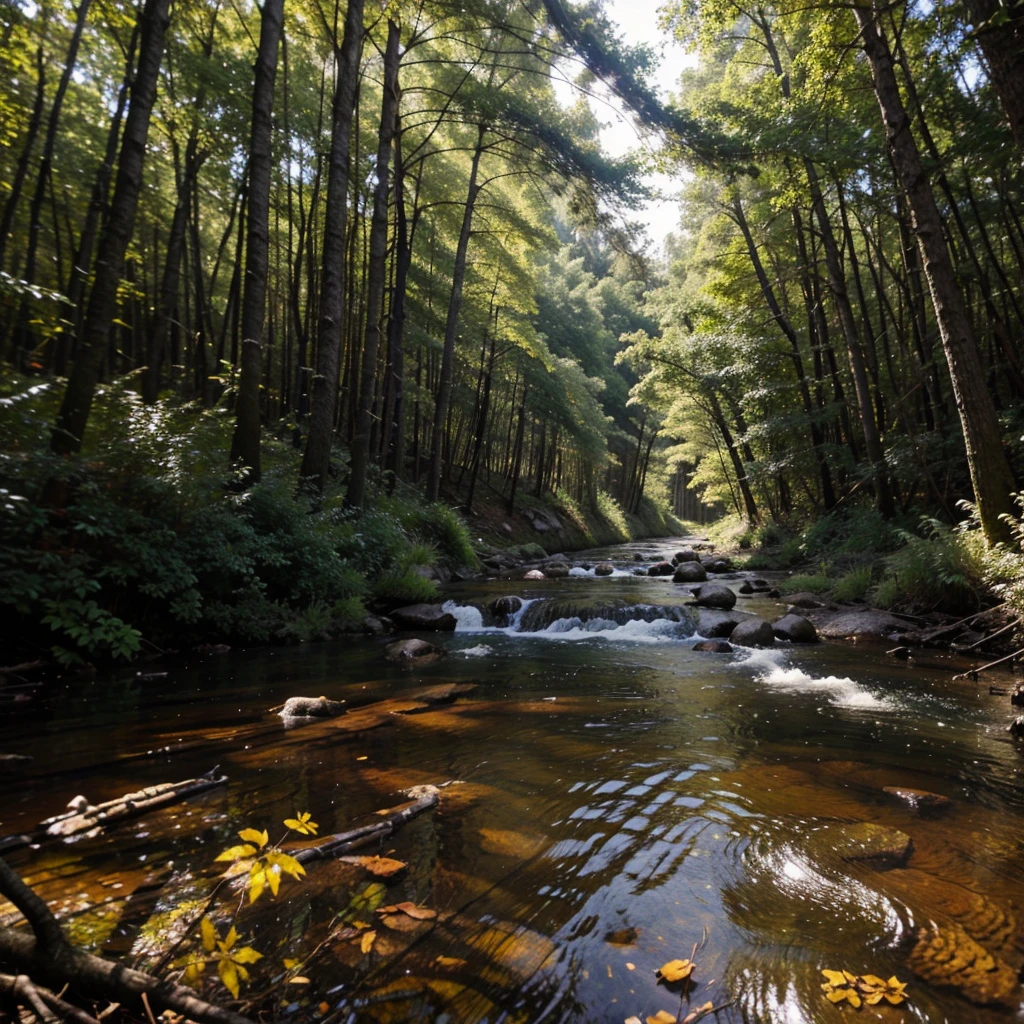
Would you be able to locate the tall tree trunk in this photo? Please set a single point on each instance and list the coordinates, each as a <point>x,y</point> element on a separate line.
<point>245,442</point>
<point>990,470</point>
<point>451,328</point>
<point>73,416</point>
<point>317,457</point>
<point>356,494</point>
<point>999,29</point>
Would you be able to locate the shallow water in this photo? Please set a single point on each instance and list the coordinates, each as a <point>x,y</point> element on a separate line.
<point>616,799</point>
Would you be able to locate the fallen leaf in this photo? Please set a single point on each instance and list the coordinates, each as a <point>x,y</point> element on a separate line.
<point>662,1017</point>
<point>675,970</point>
<point>449,961</point>
<point>632,1020</point>
<point>289,963</point>
<point>323,1007</point>
<point>699,1012</point>
<point>379,867</point>
<point>299,979</point>
<point>366,943</point>
<point>630,967</point>
<point>419,913</point>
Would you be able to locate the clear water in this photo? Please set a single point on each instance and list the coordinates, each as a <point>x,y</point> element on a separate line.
<point>616,799</point>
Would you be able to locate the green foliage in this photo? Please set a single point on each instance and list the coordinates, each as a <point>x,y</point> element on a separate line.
<point>854,585</point>
<point>397,587</point>
<point>855,531</point>
<point>610,511</point>
<point>816,584</point>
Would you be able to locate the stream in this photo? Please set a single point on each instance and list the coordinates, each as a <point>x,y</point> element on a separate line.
<point>610,800</point>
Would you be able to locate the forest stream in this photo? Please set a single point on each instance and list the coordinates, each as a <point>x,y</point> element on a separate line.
<point>610,800</point>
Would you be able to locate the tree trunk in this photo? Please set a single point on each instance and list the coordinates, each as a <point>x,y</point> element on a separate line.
<point>999,29</point>
<point>990,470</point>
<point>317,457</point>
<point>356,495</point>
<point>245,443</point>
<point>444,390</point>
<point>78,396</point>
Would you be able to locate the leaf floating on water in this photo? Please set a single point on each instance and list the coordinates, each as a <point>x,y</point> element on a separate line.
<point>675,970</point>
<point>419,913</point>
<point>630,967</point>
<point>662,1017</point>
<point>633,1020</point>
<point>299,979</point>
<point>701,1011</point>
<point>845,987</point>
<point>379,867</point>
<point>449,961</point>
<point>366,943</point>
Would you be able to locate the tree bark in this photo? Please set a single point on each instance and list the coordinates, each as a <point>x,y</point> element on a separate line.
<point>999,29</point>
<point>356,495</point>
<point>990,470</point>
<point>317,457</point>
<point>245,442</point>
<point>73,416</point>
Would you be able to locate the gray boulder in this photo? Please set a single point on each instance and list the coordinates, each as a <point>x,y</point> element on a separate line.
<point>424,616</point>
<point>745,589</point>
<point>604,569</point>
<point>312,707</point>
<point>556,570</point>
<point>661,569</point>
<point>718,565</point>
<point>753,633</point>
<point>689,572</point>
<point>715,595</point>
<point>413,652</point>
<point>714,623</point>
<point>377,625</point>
<point>714,646</point>
<point>796,629</point>
<point>807,600</point>
<point>686,555</point>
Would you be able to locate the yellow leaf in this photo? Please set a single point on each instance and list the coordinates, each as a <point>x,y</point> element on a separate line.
<point>895,998</point>
<point>835,977</point>
<point>675,970</point>
<point>273,877</point>
<point>870,981</point>
<point>257,882</point>
<point>895,982</point>
<point>630,967</point>
<point>236,852</point>
<point>209,934</point>
<point>873,998</point>
<point>229,975</point>
<point>287,864</point>
<point>449,961</point>
<point>366,943</point>
<point>193,972</point>
<point>302,824</point>
<point>289,963</point>
<point>852,998</point>
<point>299,979</point>
<point>230,939</point>
<point>250,835</point>
<point>662,1017</point>
<point>633,1020</point>
<point>851,978</point>
<point>247,955</point>
<point>837,995</point>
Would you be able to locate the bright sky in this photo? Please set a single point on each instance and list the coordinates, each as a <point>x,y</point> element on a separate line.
<point>638,21</point>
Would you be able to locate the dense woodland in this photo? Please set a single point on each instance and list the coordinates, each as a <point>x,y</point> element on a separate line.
<point>278,280</point>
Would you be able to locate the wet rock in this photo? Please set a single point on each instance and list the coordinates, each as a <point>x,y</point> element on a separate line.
<point>501,561</point>
<point>312,707</point>
<point>534,574</point>
<point>1017,697</point>
<point>661,569</point>
<point>945,954</point>
<point>774,593</point>
<point>745,589</point>
<point>424,616</point>
<point>463,573</point>
<point>796,629</point>
<point>714,646</point>
<point>761,585</point>
<point>413,652</point>
<point>714,623</point>
<point>853,624</point>
<point>919,800</point>
<point>878,845</point>
<point>716,563</point>
<point>715,595</point>
<point>1016,727</point>
<point>508,605</point>
<point>637,556</point>
<point>639,572</point>
<point>604,569</point>
<point>556,570</point>
<point>689,572</point>
<point>805,599</point>
<point>753,633</point>
<point>378,625</point>
<point>686,555</point>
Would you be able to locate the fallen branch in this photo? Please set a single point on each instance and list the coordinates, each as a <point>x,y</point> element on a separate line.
<point>47,959</point>
<point>934,634</point>
<point>426,797</point>
<point>44,1003</point>
<point>973,673</point>
<point>991,636</point>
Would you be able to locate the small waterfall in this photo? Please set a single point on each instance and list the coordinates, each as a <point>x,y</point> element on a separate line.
<point>468,618</point>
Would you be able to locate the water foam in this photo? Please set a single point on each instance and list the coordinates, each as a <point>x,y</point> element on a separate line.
<point>480,651</point>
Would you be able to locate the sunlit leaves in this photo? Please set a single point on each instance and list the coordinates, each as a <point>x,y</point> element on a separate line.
<point>865,989</point>
<point>675,970</point>
<point>302,824</point>
<point>264,867</point>
<point>232,961</point>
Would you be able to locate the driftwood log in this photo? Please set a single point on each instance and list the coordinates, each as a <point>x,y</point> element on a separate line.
<point>46,961</point>
<point>423,799</point>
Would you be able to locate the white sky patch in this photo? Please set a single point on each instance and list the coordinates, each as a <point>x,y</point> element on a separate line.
<point>638,23</point>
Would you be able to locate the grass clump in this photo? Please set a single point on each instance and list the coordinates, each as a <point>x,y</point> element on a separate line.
<point>798,584</point>
<point>854,585</point>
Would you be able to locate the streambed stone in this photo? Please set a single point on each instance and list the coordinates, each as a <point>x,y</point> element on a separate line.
<point>661,569</point>
<point>714,646</point>
<point>715,595</point>
<point>796,629</point>
<point>312,707</point>
<point>753,633</point>
<point>715,623</point>
<point>424,616</point>
<point>604,569</point>
<point>863,841</point>
<point>686,555</point>
<point>556,570</point>
<point>508,605</point>
<point>919,800</point>
<point>689,572</point>
<point>413,652</point>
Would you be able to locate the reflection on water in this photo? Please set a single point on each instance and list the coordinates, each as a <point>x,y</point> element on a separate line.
<point>615,800</point>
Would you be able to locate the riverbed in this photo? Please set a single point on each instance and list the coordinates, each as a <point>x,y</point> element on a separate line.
<point>610,800</point>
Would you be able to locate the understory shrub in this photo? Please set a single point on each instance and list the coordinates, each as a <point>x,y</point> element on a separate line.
<point>799,583</point>
<point>854,585</point>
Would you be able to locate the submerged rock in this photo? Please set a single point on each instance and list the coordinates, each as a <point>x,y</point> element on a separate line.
<point>880,846</point>
<point>714,646</point>
<point>689,572</point>
<point>919,800</point>
<point>424,616</point>
<point>753,633</point>
<point>945,954</point>
<point>604,569</point>
<point>796,629</point>
<point>714,595</point>
<point>413,652</point>
<point>312,707</point>
<point>508,605</point>
<point>660,569</point>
